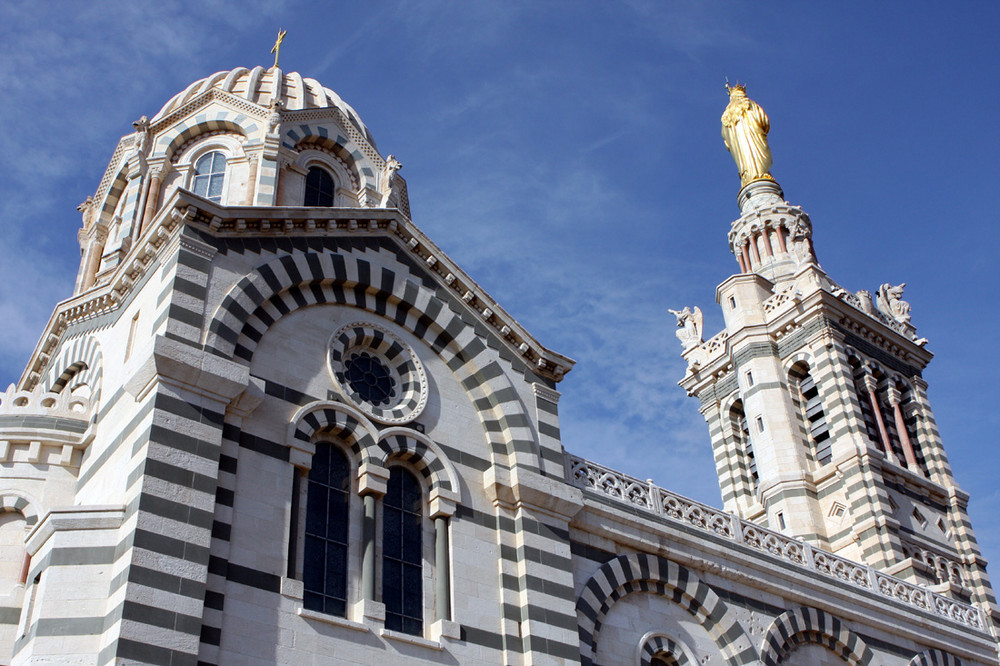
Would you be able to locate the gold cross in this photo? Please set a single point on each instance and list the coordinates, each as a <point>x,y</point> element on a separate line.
<point>276,49</point>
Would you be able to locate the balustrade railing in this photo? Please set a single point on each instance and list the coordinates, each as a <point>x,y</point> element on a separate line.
<point>647,496</point>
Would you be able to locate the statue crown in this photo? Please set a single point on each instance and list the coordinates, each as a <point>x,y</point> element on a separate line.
<point>738,87</point>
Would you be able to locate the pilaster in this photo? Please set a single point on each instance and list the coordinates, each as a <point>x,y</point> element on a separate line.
<point>165,544</point>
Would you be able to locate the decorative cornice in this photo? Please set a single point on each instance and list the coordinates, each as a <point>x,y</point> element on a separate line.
<point>185,208</point>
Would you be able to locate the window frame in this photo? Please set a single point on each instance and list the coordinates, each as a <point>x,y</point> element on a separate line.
<point>229,144</point>
<point>426,539</point>
<point>297,537</point>
<point>224,173</point>
<point>322,169</point>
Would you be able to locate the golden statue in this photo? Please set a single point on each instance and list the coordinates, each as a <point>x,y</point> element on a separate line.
<point>744,129</point>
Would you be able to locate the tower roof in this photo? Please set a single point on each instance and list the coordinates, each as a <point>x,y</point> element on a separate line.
<point>261,86</point>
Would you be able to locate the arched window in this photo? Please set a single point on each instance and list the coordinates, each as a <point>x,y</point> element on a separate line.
<point>324,562</point>
<point>402,557</point>
<point>811,407</point>
<point>319,188</point>
<point>741,433</point>
<point>209,174</point>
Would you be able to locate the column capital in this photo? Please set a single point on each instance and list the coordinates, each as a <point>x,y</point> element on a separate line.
<point>870,382</point>
<point>443,503</point>
<point>373,479</point>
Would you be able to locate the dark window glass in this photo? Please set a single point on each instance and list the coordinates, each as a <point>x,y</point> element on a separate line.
<point>324,566</point>
<point>370,379</point>
<point>319,188</point>
<point>402,581</point>
<point>209,174</point>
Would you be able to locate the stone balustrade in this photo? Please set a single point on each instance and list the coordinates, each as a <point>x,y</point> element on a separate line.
<point>661,502</point>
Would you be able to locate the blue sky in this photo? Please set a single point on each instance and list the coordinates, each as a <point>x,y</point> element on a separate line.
<point>567,155</point>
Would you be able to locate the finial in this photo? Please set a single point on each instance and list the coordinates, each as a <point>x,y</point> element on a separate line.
<point>276,49</point>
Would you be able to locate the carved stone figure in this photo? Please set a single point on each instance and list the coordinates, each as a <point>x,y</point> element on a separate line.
<point>689,326</point>
<point>802,249</point>
<point>274,120</point>
<point>744,130</point>
<point>865,297</point>
<point>392,165</point>
<point>142,128</point>
<point>890,302</point>
<point>87,211</point>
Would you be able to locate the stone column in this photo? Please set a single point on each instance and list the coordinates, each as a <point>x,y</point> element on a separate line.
<point>152,199</point>
<point>442,570</point>
<point>442,507</point>
<point>368,548</point>
<point>781,239</point>
<point>870,384</point>
<point>95,238</point>
<point>754,253</point>
<point>904,436</point>
<point>373,481</point>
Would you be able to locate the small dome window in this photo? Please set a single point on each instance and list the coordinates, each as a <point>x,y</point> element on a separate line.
<point>209,174</point>
<point>319,188</point>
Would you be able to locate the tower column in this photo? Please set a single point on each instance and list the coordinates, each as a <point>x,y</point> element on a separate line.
<point>780,233</point>
<point>870,385</point>
<point>754,253</point>
<point>904,436</point>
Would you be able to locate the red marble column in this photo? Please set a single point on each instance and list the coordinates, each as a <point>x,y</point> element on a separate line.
<point>870,384</point>
<point>904,436</point>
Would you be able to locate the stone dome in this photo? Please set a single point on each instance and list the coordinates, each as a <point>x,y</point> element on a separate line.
<point>260,86</point>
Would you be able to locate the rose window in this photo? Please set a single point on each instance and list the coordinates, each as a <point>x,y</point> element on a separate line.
<point>378,373</point>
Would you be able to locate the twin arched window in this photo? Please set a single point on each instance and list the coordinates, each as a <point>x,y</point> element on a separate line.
<point>319,188</point>
<point>325,564</point>
<point>209,175</point>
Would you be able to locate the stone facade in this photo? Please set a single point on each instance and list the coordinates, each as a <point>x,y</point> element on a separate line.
<point>163,450</point>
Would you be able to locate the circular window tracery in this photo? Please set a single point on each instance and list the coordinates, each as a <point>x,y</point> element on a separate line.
<point>378,373</point>
<point>370,379</point>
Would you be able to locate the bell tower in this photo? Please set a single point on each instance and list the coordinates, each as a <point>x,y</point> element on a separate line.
<point>815,401</point>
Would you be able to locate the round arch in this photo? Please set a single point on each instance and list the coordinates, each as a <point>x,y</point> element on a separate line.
<point>291,282</point>
<point>203,123</point>
<point>642,572</point>
<point>109,204</point>
<point>660,645</point>
<point>799,358</point>
<point>16,503</point>
<point>418,450</point>
<point>330,418</point>
<point>935,657</point>
<point>811,625</point>
<point>344,173</point>
<point>78,362</point>
<point>303,137</point>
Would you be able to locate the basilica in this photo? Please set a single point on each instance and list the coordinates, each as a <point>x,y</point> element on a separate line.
<point>275,423</point>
